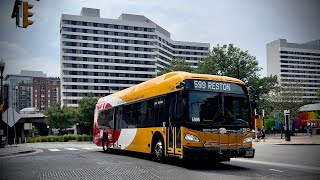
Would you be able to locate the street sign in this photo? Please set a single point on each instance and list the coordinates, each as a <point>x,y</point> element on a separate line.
<point>286,111</point>
<point>10,116</point>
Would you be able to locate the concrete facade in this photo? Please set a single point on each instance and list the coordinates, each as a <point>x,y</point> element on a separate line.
<point>297,64</point>
<point>103,56</point>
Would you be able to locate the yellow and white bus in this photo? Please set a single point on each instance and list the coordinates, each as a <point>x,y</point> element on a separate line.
<point>178,114</point>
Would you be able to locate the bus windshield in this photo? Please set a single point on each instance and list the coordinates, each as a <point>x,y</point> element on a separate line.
<point>218,108</point>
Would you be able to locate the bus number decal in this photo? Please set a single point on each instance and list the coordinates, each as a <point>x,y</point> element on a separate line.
<point>195,119</point>
<point>200,85</point>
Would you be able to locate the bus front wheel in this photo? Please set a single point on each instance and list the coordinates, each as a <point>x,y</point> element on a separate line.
<point>158,149</point>
<point>105,144</point>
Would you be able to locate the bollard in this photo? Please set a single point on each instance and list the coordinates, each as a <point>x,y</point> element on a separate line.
<point>25,140</point>
<point>19,140</point>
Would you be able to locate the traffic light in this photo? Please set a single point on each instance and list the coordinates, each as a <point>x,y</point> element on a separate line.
<point>26,14</point>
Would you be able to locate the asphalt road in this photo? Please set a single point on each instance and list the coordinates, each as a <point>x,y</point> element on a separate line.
<point>85,161</point>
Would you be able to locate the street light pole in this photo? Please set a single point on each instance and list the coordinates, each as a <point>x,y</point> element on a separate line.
<point>256,127</point>
<point>2,65</point>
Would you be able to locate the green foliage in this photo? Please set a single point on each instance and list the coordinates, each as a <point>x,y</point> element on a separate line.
<point>268,123</point>
<point>58,117</point>
<point>79,138</point>
<point>86,109</point>
<point>318,93</point>
<point>223,60</point>
<point>285,97</point>
<point>54,138</point>
<point>64,138</point>
<point>34,131</point>
<point>261,87</point>
<point>176,65</point>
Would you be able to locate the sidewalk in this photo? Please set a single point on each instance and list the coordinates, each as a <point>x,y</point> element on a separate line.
<point>12,150</point>
<point>299,139</point>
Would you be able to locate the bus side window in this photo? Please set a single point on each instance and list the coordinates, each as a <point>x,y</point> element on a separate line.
<point>127,118</point>
<point>102,120</point>
<point>109,118</point>
<point>172,107</point>
<point>118,117</point>
<point>161,111</point>
<point>180,109</point>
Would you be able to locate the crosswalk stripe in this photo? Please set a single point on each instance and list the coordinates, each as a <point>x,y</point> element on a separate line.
<point>71,149</point>
<point>54,150</point>
<point>86,148</point>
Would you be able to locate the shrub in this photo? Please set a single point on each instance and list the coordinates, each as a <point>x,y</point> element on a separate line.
<point>43,139</point>
<point>64,138</point>
<point>79,138</point>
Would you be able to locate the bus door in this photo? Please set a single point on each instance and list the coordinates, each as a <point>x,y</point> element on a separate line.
<point>173,129</point>
<point>117,127</point>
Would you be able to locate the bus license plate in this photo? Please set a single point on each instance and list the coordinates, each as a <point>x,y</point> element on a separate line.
<point>249,153</point>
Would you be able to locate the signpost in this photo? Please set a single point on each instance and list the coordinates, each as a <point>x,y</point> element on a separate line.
<point>11,117</point>
<point>287,124</point>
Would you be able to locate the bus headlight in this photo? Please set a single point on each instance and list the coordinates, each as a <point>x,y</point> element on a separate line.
<point>191,138</point>
<point>247,140</point>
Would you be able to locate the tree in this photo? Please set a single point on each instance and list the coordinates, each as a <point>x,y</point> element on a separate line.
<point>86,110</point>
<point>285,97</point>
<point>176,65</point>
<point>259,88</point>
<point>59,117</point>
<point>223,60</point>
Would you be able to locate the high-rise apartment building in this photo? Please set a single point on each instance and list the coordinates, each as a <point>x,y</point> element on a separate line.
<point>41,94</point>
<point>13,80</point>
<point>102,56</point>
<point>297,64</point>
<point>32,89</point>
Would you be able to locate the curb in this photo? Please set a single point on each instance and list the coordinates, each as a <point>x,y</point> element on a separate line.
<point>298,144</point>
<point>22,153</point>
<point>17,153</point>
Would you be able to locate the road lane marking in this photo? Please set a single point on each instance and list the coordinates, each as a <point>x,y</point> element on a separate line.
<point>54,150</point>
<point>275,170</point>
<point>86,148</point>
<point>71,149</point>
<point>311,168</point>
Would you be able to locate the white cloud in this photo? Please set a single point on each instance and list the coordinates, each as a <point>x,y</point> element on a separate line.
<point>17,59</point>
<point>10,50</point>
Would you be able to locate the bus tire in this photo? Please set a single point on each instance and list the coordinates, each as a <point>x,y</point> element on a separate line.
<point>105,144</point>
<point>158,149</point>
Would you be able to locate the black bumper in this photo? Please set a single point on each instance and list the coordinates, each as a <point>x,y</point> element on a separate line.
<point>215,153</point>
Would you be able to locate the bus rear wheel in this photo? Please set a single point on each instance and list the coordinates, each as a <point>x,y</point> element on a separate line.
<point>105,144</point>
<point>158,149</point>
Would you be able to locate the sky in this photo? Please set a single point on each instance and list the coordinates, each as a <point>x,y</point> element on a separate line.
<point>248,24</point>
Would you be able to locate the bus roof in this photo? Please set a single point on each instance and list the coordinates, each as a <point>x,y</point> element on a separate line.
<point>162,85</point>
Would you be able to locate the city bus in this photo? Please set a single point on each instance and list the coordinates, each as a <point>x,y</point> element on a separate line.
<point>178,114</point>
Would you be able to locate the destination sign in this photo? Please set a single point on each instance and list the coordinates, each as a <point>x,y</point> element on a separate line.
<point>213,86</point>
